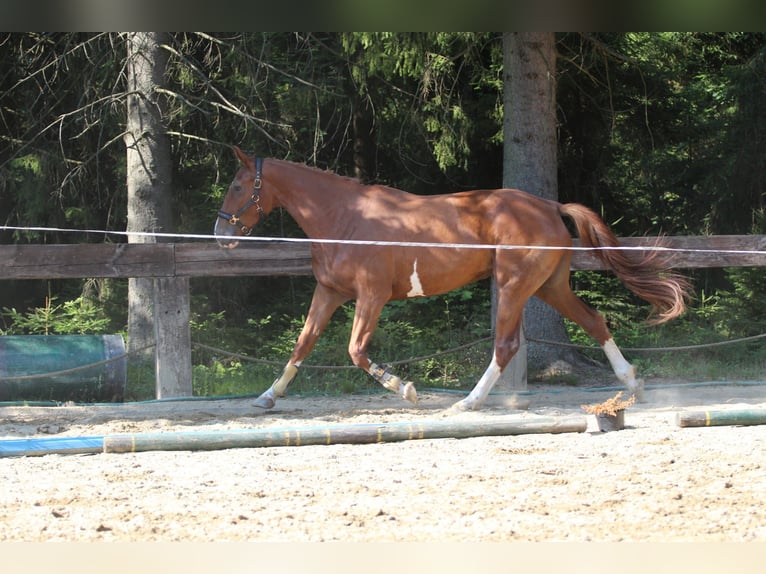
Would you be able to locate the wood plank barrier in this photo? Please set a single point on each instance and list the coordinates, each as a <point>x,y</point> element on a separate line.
<point>62,261</point>
<point>171,264</point>
<point>152,260</point>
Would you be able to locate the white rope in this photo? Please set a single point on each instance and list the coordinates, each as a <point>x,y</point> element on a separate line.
<point>385,243</point>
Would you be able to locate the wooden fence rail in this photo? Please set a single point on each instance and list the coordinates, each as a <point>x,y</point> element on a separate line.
<point>283,258</point>
<point>172,264</point>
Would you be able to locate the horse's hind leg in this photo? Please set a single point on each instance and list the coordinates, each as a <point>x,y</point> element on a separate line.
<point>557,293</point>
<point>365,321</point>
<point>323,305</point>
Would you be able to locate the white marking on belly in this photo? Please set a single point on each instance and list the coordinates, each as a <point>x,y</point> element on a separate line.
<point>417,287</point>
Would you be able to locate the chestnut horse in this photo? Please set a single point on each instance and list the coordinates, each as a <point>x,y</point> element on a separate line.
<point>526,232</point>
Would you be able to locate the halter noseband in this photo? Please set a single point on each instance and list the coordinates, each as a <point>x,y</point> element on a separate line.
<point>254,200</point>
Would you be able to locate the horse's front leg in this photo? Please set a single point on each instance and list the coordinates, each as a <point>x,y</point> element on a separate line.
<point>511,297</point>
<point>393,383</point>
<point>323,305</point>
<point>365,321</point>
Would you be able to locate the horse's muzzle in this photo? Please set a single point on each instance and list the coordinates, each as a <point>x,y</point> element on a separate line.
<point>225,234</point>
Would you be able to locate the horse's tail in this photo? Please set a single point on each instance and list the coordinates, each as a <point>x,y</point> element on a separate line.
<point>647,273</point>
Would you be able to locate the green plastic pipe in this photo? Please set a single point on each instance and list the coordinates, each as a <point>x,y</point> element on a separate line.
<point>294,436</point>
<point>725,417</point>
<point>340,434</point>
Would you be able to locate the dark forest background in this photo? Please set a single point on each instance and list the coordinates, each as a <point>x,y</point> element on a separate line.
<point>658,132</point>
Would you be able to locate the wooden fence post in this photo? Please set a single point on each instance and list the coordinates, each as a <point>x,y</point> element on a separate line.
<point>172,337</point>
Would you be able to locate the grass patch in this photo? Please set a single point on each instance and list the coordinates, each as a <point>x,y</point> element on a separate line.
<point>421,327</point>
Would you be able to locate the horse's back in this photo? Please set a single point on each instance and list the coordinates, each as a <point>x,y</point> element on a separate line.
<point>511,217</point>
<point>475,216</point>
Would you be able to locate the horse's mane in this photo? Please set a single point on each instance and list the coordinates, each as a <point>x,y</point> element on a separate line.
<point>319,170</point>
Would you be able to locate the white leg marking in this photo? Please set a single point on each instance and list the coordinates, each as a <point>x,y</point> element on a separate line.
<point>480,392</point>
<point>417,287</point>
<point>622,368</point>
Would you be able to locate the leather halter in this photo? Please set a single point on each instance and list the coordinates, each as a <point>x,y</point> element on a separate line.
<point>255,198</point>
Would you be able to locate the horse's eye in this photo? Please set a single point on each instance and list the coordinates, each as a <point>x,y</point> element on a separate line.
<point>236,188</point>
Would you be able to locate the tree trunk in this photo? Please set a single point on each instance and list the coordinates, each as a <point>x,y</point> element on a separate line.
<point>149,169</point>
<point>364,140</point>
<point>362,119</point>
<point>530,164</point>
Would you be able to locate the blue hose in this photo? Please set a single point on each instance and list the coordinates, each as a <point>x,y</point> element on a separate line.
<point>51,445</point>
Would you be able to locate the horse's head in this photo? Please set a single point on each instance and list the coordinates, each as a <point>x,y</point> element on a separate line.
<point>241,210</point>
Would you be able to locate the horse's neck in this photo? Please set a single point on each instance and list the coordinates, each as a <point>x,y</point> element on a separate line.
<point>315,199</point>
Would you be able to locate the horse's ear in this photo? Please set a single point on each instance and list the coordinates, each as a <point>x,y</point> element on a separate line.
<point>242,157</point>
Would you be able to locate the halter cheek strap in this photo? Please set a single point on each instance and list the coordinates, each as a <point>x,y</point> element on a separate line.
<point>255,198</point>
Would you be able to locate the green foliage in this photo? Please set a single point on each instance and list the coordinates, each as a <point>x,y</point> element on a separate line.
<point>439,77</point>
<point>141,385</point>
<point>25,180</point>
<point>407,330</point>
<point>744,303</point>
<point>76,317</point>
<point>230,379</point>
<point>655,136</point>
<point>708,320</point>
<point>657,132</point>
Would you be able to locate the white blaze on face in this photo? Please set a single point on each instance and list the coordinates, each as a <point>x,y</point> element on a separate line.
<point>416,289</point>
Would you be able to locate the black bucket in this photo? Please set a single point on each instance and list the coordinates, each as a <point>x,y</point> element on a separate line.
<point>46,368</point>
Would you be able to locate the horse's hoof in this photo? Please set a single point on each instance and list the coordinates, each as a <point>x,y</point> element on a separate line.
<point>409,393</point>
<point>265,401</point>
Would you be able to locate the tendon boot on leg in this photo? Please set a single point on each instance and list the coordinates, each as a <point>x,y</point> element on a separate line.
<point>278,388</point>
<point>406,389</point>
